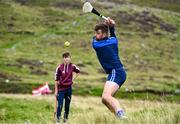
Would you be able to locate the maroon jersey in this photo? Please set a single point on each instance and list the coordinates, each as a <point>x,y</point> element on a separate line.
<point>64,75</point>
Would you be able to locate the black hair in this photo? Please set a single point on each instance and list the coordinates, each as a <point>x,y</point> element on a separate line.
<point>66,54</point>
<point>103,27</point>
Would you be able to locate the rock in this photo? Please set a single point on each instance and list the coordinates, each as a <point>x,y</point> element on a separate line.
<point>168,27</point>
<point>23,61</point>
<point>177,91</point>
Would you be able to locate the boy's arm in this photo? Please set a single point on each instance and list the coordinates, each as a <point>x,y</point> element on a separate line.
<point>57,73</point>
<point>77,71</point>
<point>55,100</point>
<point>57,77</point>
<point>56,88</point>
<point>76,75</point>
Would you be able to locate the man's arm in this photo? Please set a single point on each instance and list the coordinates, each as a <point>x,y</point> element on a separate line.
<point>111,23</point>
<point>112,31</point>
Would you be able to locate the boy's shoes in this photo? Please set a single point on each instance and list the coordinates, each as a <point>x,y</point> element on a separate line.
<point>65,121</point>
<point>65,118</point>
<point>121,115</point>
<point>57,121</point>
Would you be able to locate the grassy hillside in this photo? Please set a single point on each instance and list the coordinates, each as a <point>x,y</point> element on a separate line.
<point>172,5</point>
<point>32,34</point>
<point>29,109</point>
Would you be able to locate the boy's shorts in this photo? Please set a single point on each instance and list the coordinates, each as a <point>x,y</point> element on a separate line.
<point>118,76</point>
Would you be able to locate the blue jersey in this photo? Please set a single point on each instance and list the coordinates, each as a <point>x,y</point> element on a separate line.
<point>107,52</point>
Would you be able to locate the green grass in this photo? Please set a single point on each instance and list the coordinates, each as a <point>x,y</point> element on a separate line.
<point>87,110</point>
<point>172,5</point>
<point>32,34</point>
<point>23,110</point>
<point>36,31</point>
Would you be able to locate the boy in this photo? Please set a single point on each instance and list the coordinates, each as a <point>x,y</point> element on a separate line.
<point>63,85</point>
<point>107,52</point>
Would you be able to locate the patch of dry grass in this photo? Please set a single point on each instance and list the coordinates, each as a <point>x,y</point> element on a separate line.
<point>90,110</point>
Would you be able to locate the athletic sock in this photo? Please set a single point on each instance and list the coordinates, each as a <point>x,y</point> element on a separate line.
<point>120,113</point>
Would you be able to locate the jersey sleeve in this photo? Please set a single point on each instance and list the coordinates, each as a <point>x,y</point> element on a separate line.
<point>76,69</point>
<point>57,74</point>
<point>112,31</point>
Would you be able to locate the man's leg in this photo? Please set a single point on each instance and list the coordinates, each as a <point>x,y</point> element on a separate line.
<point>115,79</point>
<point>110,88</point>
<point>67,103</point>
<point>60,98</point>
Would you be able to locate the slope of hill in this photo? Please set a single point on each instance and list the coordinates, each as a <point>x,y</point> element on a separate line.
<point>32,34</point>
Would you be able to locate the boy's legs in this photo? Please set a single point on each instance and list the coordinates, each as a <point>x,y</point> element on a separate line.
<point>60,98</point>
<point>67,103</point>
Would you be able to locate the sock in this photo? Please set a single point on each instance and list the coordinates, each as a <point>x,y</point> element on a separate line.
<point>120,113</point>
